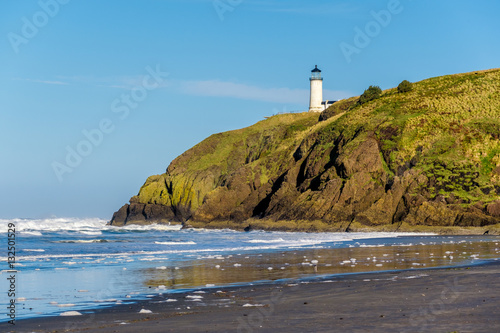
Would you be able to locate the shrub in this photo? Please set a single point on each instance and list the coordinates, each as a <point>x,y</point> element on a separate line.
<point>405,86</point>
<point>373,92</point>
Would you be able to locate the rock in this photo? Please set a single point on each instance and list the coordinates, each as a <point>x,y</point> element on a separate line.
<point>137,213</point>
<point>120,216</point>
<point>474,220</point>
<point>364,158</point>
<point>494,208</point>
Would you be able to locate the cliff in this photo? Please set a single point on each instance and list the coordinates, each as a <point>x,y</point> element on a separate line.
<point>428,157</point>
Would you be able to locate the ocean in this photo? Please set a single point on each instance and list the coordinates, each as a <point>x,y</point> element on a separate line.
<point>71,264</point>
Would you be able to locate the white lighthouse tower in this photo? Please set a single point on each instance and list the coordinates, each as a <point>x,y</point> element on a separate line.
<point>316,99</point>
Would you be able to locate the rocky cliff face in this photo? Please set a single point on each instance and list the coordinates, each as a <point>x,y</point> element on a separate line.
<point>426,157</point>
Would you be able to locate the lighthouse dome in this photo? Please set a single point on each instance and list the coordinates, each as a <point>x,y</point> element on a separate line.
<point>316,70</point>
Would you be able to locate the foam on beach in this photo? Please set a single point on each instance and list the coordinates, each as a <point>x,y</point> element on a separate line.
<point>194,296</point>
<point>70,313</point>
<point>267,241</point>
<point>176,243</point>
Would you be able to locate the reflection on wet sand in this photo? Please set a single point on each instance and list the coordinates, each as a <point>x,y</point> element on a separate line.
<point>245,268</point>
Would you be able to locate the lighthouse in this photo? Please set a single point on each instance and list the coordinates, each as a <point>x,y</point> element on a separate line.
<point>316,98</point>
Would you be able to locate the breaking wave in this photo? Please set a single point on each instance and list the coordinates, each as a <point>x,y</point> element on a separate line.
<point>85,226</point>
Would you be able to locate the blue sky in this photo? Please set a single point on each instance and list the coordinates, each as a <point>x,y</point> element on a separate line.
<point>68,68</point>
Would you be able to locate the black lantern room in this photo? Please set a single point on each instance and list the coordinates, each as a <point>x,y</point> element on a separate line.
<point>316,74</point>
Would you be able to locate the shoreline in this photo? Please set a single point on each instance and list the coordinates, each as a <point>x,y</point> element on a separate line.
<point>449,299</point>
<point>318,226</point>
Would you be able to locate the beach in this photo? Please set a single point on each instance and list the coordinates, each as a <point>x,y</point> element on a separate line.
<point>456,299</point>
<point>77,275</point>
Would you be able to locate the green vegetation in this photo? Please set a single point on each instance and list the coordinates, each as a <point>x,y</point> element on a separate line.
<point>439,141</point>
<point>264,136</point>
<point>373,92</point>
<point>448,126</point>
<point>405,86</point>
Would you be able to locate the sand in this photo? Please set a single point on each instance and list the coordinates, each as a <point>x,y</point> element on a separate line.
<point>460,299</point>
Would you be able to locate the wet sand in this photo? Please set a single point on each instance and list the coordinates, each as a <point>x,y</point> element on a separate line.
<point>246,268</point>
<point>460,299</point>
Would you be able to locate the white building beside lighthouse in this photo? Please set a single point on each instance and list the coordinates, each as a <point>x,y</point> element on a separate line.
<point>316,103</point>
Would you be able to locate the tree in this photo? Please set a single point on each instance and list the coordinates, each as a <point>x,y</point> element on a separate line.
<point>373,92</point>
<point>405,86</point>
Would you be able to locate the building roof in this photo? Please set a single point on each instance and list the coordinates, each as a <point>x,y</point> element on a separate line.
<point>316,70</point>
